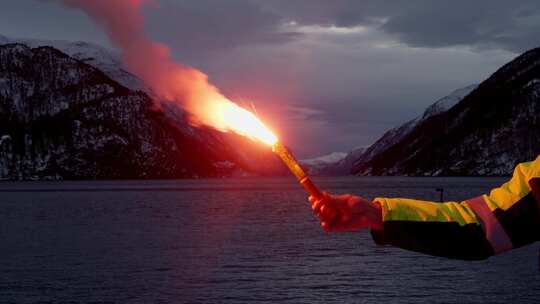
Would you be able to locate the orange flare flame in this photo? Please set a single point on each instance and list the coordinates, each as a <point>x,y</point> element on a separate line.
<point>241,121</point>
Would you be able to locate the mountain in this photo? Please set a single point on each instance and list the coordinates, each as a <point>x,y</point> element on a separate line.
<point>107,60</point>
<point>318,165</point>
<point>344,165</point>
<point>63,118</point>
<point>397,134</point>
<point>488,132</point>
<point>447,102</point>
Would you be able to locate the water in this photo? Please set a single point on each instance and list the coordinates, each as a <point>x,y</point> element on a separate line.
<point>230,241</point>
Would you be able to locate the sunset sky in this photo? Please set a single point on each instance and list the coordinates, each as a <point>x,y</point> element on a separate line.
<point>327,75</point>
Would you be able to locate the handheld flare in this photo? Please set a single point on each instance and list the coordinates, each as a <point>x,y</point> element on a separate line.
<point>290,161</point>
<point>243,122</point>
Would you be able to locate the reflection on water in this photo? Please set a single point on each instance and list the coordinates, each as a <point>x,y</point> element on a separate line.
<point>230,241</point>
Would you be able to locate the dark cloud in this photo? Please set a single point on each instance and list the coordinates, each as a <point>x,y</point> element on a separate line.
<point>343,13</point>
<point>211,25</point>
<point>512,25</point>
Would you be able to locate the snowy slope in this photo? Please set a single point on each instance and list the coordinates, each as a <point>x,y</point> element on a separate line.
<point>395,135</point>
<point>325,159</point>
<point>318,165</point>
<point>65,118</point>
<point>445,103</point>
<point>109,62</point>
<point>487,132</point>
<point>391,137</point>
<point>340,163</point>
<point>105,59</point>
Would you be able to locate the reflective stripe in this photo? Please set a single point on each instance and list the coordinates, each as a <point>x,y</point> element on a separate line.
<point>495,233</point>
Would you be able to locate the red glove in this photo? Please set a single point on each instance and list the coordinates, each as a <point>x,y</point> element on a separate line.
<point>355,213</point>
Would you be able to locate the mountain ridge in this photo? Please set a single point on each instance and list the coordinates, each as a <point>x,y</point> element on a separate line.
<point>476,130</point>
<point>390,137</point>
<point>62,118</point>
<point>487,133</point>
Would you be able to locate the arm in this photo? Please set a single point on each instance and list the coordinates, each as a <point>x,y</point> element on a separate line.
<point>474,229</point>
<point>450,229</point>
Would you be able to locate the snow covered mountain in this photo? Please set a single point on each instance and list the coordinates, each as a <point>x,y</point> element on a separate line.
<point>397,134</point>
<point>447,102</point>
<point>62,117</point>
<point>107,60</point>
<point>344,165</point>
<point>72,111</point>
<point>490,129</point>
<point>325,159</point>
<point>319,164</point>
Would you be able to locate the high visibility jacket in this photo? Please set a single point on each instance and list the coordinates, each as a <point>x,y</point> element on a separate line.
<point>508,217</point>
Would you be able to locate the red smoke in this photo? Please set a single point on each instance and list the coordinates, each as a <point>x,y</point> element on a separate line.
<point>151,61</point>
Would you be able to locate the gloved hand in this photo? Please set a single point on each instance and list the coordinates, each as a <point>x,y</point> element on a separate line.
<point>355,213</point>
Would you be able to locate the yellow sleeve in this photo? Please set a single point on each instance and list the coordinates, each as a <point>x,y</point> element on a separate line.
<point>506,218</point>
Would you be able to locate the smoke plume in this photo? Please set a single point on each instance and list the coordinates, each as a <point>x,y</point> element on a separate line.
<point>151,61</point>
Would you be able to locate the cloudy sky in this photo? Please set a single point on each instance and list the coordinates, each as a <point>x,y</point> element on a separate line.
<point>328,75</point>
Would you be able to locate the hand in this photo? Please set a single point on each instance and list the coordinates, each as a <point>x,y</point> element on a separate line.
<point>355,213</point>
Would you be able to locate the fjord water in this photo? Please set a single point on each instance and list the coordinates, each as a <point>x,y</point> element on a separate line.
<point>231,241</point>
